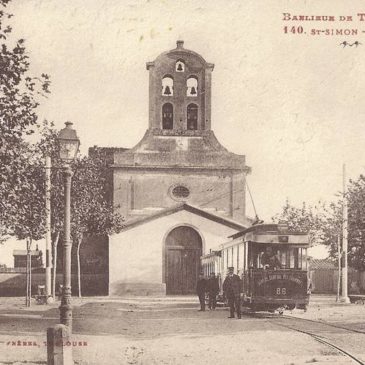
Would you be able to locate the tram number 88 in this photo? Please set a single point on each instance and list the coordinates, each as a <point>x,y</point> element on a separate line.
<point>280,291</point>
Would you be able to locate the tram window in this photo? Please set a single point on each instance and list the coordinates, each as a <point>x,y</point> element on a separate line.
<point>271,257</point>
<point>256,254</point>
<point>249,256</point>
<point>296,256</point>
<point>239,258</point>
<point>245,263</point>
<point>258,260</point>
<point>252,258</point>
<point>282,257</point>
<point>300,258</point>
<point>304,258</point>
<point>291,258</point>
<point>257,257</point>
<point>232,264</point>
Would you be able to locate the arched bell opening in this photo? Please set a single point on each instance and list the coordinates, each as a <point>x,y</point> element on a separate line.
<point>180,66</point>
<point>192,86</point>
<point>167,85</point>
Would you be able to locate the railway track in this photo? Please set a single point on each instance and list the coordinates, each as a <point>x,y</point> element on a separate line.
<point>296,324</point>
<point>324,322</point>
<point>269,315</point>
<point>325,342</point>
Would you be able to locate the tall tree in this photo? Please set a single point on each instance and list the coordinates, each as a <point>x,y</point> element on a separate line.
<point>356,223</point>
<point>306,219</point>
<point>325,222</point>
<point>92,212</point>
<point>20,93</point>
<point>47,146</point>
<point>28,221</point>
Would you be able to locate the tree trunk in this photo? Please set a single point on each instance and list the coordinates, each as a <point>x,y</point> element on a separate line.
<point>54,278</point>
<point>28,273</point>
<point>78,265</point>
<point>27,276</point>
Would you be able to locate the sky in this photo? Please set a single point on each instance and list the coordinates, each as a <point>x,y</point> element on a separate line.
<point>292,103</point>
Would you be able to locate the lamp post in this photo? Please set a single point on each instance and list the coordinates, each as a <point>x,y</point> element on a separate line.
<point>68,148</point>
<point>344,266</point>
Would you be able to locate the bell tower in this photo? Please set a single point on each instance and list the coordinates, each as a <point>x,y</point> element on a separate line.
<point>180,92</point>
<point>179,159</point>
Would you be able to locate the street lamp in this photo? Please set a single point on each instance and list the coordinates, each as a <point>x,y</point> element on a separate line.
<point>68,147</point>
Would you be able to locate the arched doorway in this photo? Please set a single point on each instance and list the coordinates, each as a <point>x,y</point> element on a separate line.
<point>183,248</point>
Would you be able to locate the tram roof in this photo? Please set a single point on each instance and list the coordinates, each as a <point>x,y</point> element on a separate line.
<point>267,228</point>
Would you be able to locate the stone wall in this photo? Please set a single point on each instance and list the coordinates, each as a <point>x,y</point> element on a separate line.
<point>220,192</point>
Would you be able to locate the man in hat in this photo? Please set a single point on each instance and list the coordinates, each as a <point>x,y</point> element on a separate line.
<point>232,291</point>
<point>269,259</point>
<point>213,290</point>
<point>201,288</point>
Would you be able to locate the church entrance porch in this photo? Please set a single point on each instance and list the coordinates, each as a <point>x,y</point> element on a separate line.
<point>163,250</point>
<point>183,249</point>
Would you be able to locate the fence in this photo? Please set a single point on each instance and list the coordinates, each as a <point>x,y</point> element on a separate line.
<point>14,283</point>
<point>325,281</point>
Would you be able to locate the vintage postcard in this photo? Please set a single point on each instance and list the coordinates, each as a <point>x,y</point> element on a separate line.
<point>182,182</point>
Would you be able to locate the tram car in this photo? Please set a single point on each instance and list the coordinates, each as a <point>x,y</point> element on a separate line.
<point>272,264</point>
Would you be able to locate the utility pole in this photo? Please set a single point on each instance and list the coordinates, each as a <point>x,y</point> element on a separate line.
<point>344,296</point>
<point>339,268</point>
<point>48,227</point>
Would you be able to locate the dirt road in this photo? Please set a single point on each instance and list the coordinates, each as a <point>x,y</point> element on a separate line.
<point>172,331</point>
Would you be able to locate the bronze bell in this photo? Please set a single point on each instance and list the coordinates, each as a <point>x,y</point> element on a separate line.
<point>167,90</point>
<point>179,67</point>
<point>193,91</point>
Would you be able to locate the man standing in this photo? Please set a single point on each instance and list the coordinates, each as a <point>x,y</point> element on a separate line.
<point>232,291</point>
<point>201,287</point>
<point>213,290</point>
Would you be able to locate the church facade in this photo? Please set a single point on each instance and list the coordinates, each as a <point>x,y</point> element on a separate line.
<point>180,191</point>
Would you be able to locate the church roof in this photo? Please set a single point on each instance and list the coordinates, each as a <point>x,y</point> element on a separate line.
<point>190,208</point>
<point>199,149</point>
<point>182,52</point>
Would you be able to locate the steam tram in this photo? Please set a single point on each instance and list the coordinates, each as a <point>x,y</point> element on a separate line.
<point>265,287</point>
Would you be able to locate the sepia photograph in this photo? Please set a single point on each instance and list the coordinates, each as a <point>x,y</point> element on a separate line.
<point>182,182</point>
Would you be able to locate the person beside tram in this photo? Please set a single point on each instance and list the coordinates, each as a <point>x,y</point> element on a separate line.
<point>269,259</point>
<point>232,286</point>
<point>201,288</point>
<point>213,290</point>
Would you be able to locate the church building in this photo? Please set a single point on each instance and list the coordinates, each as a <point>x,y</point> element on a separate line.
<point>180,191</point>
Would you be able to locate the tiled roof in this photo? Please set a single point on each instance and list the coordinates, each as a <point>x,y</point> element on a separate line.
<point>324,264</point>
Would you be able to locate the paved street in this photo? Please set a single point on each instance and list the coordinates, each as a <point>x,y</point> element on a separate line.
<point>172,331</point>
